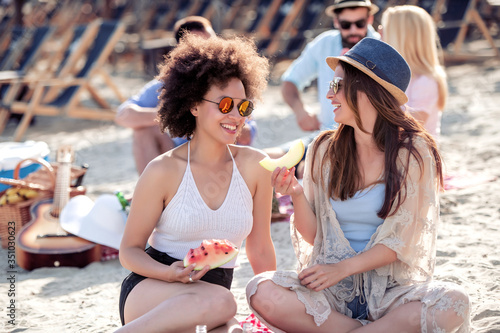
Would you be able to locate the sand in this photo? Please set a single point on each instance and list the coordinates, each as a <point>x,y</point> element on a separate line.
<point>86,300</point>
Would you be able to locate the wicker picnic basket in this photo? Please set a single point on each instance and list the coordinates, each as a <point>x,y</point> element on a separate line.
<point>43,180</point>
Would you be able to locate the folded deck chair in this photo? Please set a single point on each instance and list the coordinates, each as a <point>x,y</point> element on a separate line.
<point>281,27</point>
<point>230,16</point>
<point>25,44</point>
<point>259,19</point>
<point>179,10</point>
<point>17,86</point>
<point>300,17</point>
<point>20,56</point>
<point>454,18</point>
<point>24,48</point>
<point>68,101</point>
<point>200,7</point>
<point>311,22</point>
<point>6,21</point>
<point>249,18</point>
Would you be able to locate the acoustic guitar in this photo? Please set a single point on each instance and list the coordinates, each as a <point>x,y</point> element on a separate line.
<point>42,242</point>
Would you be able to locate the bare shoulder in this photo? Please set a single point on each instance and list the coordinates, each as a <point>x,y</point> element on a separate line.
<point>247,154</point>
<point>247,160</point>
<point>166,171</point>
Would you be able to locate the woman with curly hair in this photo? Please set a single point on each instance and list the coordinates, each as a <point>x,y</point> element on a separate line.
<point>207,188</point>
<point>365,218</point>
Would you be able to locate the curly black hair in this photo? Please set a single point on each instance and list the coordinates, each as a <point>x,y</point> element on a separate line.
<point>197,64</point>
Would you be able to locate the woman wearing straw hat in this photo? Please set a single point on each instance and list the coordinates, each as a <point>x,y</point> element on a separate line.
<point>364,229</point>
<point>207,188</point>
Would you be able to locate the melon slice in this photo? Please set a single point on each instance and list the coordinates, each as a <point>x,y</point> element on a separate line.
<point>212,252</point>
<point>290,159</point>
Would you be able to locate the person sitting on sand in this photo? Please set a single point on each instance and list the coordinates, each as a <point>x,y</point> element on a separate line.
<point>207,188</point>
<point>140,111</point>
<point>412,32</point>
<point>365,222</point>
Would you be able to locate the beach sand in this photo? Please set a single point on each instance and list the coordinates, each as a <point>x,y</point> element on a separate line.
<point>468,247</point>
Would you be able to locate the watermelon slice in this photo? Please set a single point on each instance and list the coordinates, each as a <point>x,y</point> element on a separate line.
<point>212,252</point>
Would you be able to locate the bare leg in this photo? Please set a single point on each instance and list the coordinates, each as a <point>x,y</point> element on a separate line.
<point>158,306</point>
<point>447,315</point>
<point>148,143</point>
<point>232,326</point>
<point>405,318</point>
<point>281,308</point>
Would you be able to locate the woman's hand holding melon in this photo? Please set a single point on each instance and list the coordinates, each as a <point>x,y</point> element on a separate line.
<point>283,169</point>
<point>285,183</point>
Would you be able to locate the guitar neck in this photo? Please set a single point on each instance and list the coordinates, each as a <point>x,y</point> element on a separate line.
<point>63,179</point>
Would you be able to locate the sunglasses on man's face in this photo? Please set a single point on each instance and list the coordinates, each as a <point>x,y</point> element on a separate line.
<point>346,25</point>
<point>226,104</point>
<point>335,84</point>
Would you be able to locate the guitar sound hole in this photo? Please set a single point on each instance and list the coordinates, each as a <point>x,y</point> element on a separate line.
<point>51,215</point>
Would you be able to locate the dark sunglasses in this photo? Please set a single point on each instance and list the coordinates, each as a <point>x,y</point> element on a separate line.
<point>335,84</point>
<point>346,25</point>
<point>226,104</point>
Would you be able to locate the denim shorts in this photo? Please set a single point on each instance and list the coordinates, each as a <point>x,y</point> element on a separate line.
<point>220,276</point>
<point>359,311</point>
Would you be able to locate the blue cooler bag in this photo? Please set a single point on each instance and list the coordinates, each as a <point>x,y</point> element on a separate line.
<point>11,153</point>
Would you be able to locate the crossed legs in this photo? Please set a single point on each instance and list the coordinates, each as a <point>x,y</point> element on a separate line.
<point>280,307</point>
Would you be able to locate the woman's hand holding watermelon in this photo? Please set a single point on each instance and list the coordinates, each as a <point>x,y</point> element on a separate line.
<point>183,274</point>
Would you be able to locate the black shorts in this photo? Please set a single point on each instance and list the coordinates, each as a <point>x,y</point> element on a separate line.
<point>221,276</point>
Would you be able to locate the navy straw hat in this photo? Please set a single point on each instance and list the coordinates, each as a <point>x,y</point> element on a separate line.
<point>339,4</point>
<point>381,62</point>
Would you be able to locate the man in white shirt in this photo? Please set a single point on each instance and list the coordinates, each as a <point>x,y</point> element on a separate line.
<point>352,21</point>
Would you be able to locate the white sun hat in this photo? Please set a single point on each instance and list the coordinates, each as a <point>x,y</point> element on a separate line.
<point>102,222</point>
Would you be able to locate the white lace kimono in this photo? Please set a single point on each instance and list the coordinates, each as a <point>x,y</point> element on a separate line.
<point>410,232</point>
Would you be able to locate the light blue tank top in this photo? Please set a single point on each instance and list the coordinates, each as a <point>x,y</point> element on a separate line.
<point>357,216</point>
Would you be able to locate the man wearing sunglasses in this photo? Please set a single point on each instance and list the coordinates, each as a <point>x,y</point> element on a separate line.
<point>352,21</point>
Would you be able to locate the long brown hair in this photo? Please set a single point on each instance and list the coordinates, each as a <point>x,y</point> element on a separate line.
<point>393,130</point>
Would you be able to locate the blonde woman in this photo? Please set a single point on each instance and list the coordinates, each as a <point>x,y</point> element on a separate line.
<point>412,32</point>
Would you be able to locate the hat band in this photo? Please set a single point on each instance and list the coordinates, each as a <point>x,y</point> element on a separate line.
<point>370,65</point>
